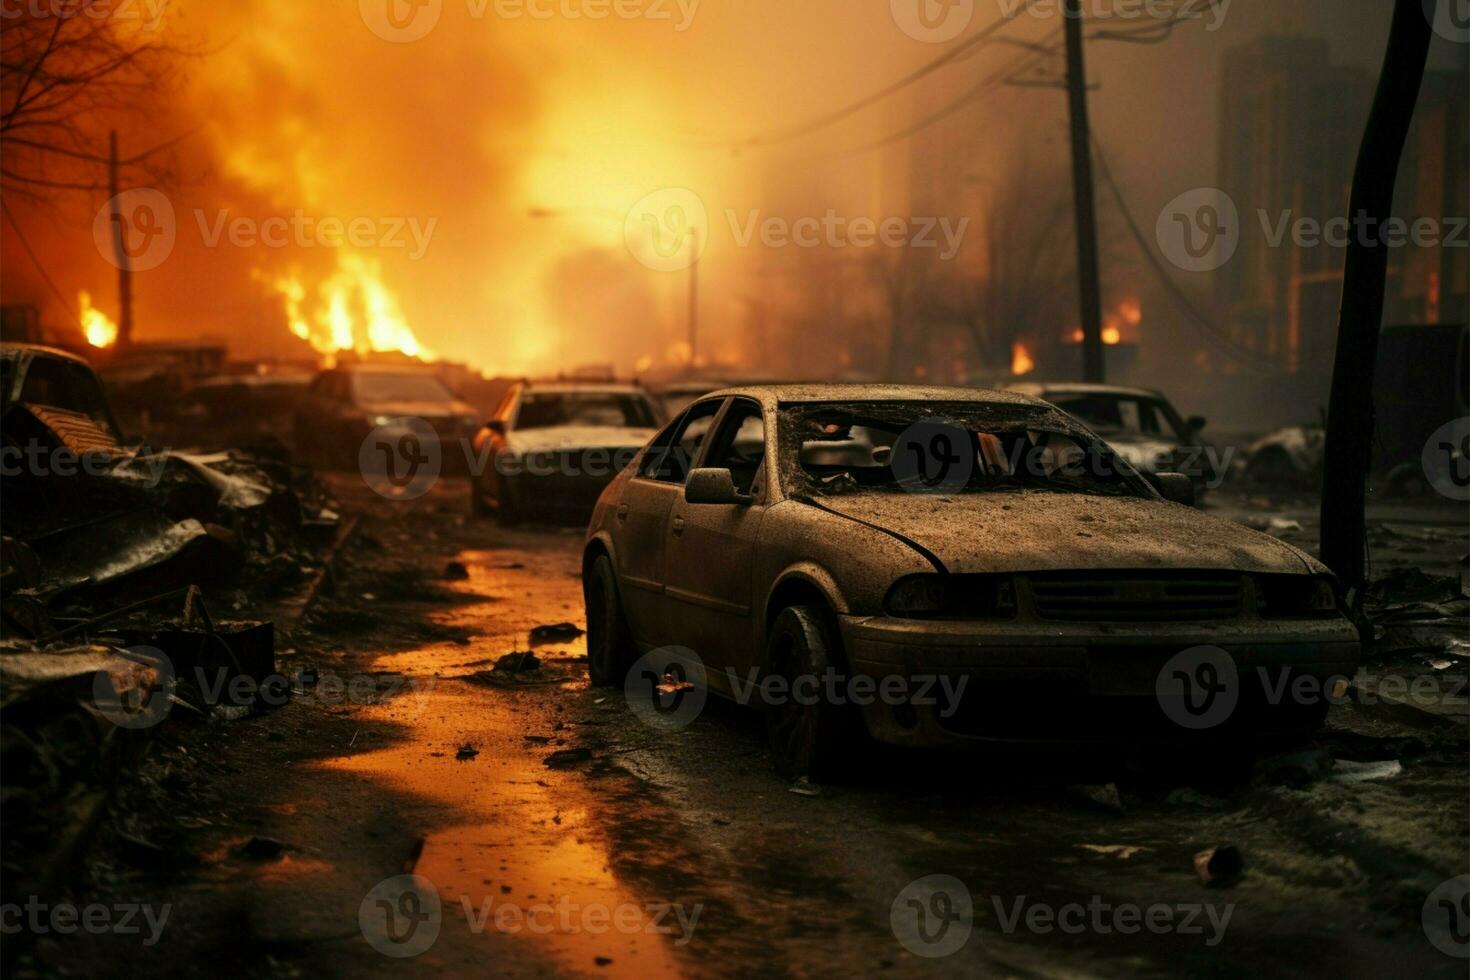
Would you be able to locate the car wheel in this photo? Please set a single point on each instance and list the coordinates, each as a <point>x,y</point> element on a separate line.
<point>814,739</point>
<point>609,646</point>
<point>506,510</point>
<point>478,505</point>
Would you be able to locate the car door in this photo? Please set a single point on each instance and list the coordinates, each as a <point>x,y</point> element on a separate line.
<point>708,601</point>
<point>641,517</point>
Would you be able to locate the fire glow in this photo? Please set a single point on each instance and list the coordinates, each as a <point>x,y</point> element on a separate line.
<point>353,311</point>
<point>98,328</point>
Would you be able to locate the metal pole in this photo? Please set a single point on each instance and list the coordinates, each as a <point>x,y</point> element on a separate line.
<point>1089,286</point>
<point>693,296</point>
<point>1349,449</point>
<point>120,250</point>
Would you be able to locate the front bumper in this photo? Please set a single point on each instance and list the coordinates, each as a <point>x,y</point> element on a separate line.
<point>1065,683</point>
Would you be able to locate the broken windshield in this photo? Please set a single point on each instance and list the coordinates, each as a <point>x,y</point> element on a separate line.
<point>952,448</point>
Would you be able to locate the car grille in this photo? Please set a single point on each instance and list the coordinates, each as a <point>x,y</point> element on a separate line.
<point>1133,597</point>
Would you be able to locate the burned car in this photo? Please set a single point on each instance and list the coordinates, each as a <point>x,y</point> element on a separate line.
<point>343,405</point>
<point>1141,425</point>
<point>551,448</point>
<point>987,539</point>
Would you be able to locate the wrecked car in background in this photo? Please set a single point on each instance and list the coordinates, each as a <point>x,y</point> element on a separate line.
<point>551,448</point>
<point>1141,425</point>
<point>902,532</point>
<point>343,405</point>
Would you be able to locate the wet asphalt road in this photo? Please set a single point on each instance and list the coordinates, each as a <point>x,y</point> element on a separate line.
<point>640,851</point>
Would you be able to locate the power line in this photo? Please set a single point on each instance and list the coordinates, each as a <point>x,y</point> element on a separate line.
<point>1211,329</point>
<point>76,315</point>
<point>797,130</point>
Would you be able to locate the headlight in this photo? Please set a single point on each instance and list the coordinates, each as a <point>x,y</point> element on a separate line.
<point>1295,595</point>
<point>952,597</point>
<point>377,420</point>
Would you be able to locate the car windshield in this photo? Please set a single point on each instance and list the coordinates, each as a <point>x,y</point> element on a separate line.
<point>1122,415</point>
<point>882,447</point>
<point>384,386</point>
<point>544,410</point>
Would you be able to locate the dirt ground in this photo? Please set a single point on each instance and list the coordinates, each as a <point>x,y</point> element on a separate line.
<point>643,852</point>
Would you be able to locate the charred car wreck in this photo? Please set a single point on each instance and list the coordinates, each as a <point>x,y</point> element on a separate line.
<point>984,537</point>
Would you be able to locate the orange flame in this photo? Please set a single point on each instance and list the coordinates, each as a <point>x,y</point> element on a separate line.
<point>99,329</point>
<point>354,311</point>
<point>1021,362</point>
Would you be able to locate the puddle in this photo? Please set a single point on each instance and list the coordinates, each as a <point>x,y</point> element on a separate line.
<point>525,860</point>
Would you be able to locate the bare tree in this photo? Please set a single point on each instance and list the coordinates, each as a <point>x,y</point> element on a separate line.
<point>64,67</point>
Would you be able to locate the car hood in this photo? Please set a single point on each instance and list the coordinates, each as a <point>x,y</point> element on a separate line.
<point>1142,452</point>
<point>422,410</point>
<point>1015,532</point>
<point>578,437</point>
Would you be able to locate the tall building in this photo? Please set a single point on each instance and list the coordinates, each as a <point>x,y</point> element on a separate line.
<point>1289,123</point>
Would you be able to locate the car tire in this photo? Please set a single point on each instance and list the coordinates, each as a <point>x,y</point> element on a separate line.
<point>817,740</point>
<point>506,510</point>
<point>478,505</point>
<point>609,644</point>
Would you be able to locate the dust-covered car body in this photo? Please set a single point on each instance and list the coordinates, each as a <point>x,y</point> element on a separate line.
<point>1061,600</point>
<point>1140,424</point>
<point>551,448</point>
<point>343,405</point>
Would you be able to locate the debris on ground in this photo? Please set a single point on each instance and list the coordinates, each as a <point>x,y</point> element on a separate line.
<point>466,752</point>
<point>456,571</point>
<point>1219,866</point>
<point>803,787</point>
<point>1121,851</point>
<point>555,633</point>
<point>1294,769</point>
<point>1104,797</point>
<point>565,758</point>
<point>261,849</point>
<point>1362,772</point>
<point>518,662</point>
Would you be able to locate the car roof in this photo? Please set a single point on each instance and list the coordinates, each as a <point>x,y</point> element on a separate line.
<point>1042,389</point>
<point>798,393</point>
<point>571,387</point>
<point>14,349</point>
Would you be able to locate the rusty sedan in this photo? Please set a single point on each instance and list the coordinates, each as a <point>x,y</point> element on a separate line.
<point>895,536</point>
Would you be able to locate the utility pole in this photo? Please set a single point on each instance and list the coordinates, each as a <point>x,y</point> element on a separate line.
<point>120,251</point>
<point>693,296</point>
<point>1349,449</point>
<point>1089,286</point>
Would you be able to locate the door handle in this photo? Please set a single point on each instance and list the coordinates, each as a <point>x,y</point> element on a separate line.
<point>678,526</point>
<point>622,513</point>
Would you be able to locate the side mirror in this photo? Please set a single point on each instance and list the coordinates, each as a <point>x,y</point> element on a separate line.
<point>713,486</point>
<point>1175,487</point>
<point>1196,423</point>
